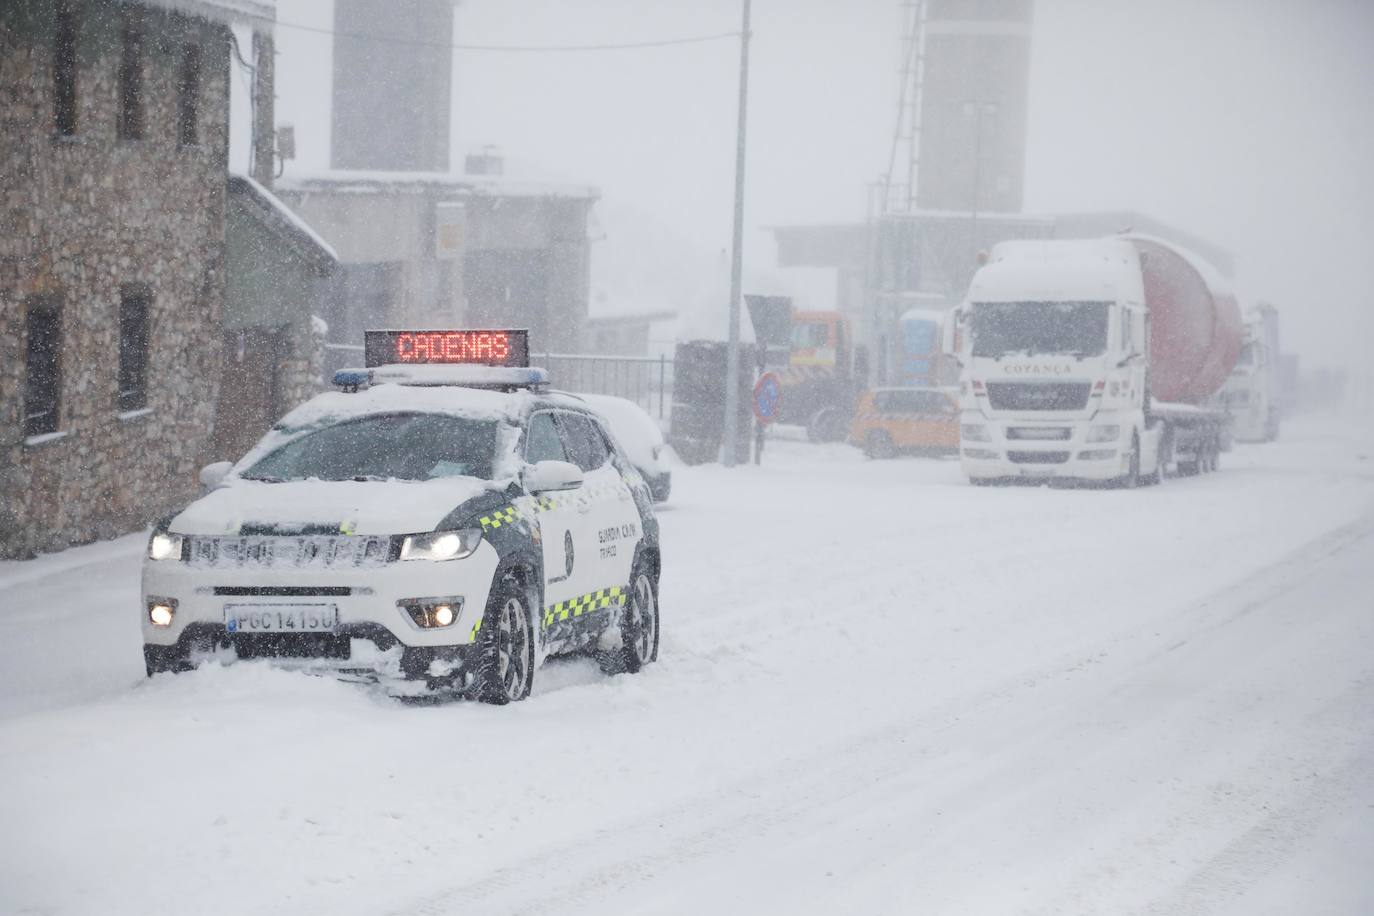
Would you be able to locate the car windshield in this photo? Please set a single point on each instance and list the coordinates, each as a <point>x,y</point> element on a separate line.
<point>1034,328</point>
<point>403,446</point>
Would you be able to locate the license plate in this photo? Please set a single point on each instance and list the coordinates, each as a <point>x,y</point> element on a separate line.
<point>1037,472</point>
<point>281,618</point>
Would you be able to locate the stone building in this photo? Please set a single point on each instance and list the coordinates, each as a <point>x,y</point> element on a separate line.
<point>114,124</point>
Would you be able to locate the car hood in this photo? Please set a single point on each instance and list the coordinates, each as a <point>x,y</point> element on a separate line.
<point>322,506</point>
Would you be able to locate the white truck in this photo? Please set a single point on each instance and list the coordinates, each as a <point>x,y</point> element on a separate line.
<point>1093,360</point>
<point>1252,393</point>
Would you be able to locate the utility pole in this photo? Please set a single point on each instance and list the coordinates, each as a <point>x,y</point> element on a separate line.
<point>977,109</point>
<point>731,437</point>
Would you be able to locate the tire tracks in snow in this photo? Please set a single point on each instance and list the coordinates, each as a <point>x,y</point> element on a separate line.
<point>846,773</point>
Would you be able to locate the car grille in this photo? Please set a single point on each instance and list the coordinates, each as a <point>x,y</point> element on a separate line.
<point>1039,433</point>
<point>289,552</point>
<point>1038,395</point>
<point>1038,457</point>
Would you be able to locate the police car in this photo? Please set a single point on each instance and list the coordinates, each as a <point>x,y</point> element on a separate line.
<point>441,524</point>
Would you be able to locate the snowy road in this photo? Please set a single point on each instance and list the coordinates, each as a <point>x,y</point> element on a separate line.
<point>880,690</point>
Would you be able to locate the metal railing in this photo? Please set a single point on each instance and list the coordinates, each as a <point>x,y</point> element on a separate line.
<point>646,380</point>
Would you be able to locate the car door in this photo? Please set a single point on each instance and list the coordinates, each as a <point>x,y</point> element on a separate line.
<point>608,507</point>
<point>557,512</point>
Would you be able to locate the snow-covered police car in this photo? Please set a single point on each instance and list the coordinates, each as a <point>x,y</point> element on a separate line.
<point>441,525</point>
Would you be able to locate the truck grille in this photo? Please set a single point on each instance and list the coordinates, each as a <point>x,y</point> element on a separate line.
<point>1038,395</point>
<point>1038,457</point>
<point>289,552</point>
<point>1039,433</point>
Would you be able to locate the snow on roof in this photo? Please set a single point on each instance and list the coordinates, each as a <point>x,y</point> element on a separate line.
<point>261,14</point>
<point>473,403</point>
<point>286,217</point>
<point>358,181</point>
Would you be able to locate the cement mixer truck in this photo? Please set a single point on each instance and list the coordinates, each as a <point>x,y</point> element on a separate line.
<point>1094,360</point>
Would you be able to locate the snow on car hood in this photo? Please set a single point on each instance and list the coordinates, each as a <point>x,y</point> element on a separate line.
<point>355,507</point>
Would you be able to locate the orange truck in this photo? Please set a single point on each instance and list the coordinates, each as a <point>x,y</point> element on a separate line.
<point>824,375</point>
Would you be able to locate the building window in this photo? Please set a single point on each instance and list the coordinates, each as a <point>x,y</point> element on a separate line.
<point>188,96</point>
<point>131,85</point>
<point>64,70</point>
<point>133,347</point>
<point>43,382</point>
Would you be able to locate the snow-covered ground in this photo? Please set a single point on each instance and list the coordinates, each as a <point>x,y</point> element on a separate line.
<point>880,690</point>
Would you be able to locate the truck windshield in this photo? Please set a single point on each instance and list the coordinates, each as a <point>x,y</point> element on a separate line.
<point>1032,328</point>
<point>403,446</point>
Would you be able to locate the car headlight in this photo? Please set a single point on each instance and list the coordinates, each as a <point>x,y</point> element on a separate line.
<point>975,433</point>
<point>1104,433</point>
<point>441,545</point>
<point>164,546</point>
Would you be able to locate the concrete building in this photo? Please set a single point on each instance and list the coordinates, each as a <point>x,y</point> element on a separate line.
<point>445,250</point>
<point>973,98</point>
<point>392,76</point>
<point>419,244</point>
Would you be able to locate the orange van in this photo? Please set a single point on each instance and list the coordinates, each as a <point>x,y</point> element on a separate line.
<point>891,421</point>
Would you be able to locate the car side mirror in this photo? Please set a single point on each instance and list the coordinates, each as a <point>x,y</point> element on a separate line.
<point>547,476</point>
<point>212,474</point>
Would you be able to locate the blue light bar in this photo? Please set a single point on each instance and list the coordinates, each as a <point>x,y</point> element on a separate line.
<point>462,376</point>
<point>352,379</point>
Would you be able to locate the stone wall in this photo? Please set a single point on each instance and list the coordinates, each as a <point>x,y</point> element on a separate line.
<point>79,217</point>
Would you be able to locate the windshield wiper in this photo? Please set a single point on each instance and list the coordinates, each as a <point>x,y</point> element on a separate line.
<point>265,479</point>
<point>364,478</point>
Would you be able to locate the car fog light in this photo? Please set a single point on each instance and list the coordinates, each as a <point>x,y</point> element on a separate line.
<point>981,454</point>
<point>431,613</point>
<point>161,611</point>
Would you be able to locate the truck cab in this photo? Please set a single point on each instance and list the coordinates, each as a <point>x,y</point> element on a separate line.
<point>1251,392</point>
<point>1054,355</point>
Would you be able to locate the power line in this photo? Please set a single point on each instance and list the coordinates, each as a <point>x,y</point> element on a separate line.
<point>415,42</point>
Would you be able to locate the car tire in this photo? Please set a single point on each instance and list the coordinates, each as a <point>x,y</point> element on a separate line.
<point>505,653</point>
<point>639,620</point>
<point>165,659</point>
<point>878,445</point>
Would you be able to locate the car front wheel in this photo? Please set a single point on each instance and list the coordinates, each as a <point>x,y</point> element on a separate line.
<point>505,670</point>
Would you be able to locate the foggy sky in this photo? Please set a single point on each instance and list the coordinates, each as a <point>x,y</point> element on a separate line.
<point>1249,122</point>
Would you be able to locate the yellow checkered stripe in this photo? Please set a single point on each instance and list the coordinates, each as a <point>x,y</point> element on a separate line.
<point>529,507</point>
<point>583,604</point>
<point>506,515</point>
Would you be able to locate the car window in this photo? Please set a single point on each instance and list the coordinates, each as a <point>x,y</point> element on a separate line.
<point>585,444</point>
<point>403,446</point>
<point>542,442</point>
<point>898,401</point>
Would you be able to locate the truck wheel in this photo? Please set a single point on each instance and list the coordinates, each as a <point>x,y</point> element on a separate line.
<point>638,626</point>
<point>827,425</point>
<point>879,445</point>
<point>505,655</point>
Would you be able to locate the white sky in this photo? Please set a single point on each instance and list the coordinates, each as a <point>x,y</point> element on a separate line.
<point>1250,122</point>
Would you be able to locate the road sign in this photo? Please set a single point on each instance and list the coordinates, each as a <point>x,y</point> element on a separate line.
<point>767,397</point>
